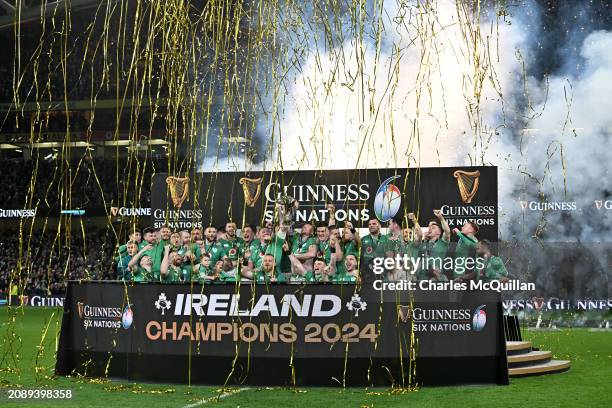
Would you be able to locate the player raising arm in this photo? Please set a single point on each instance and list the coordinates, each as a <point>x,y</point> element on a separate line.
<point>140,265</point>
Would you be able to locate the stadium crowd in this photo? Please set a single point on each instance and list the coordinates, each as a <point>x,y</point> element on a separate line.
<point>44,263</point>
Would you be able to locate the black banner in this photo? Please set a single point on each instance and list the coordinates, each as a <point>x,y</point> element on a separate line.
<point>336,324</point>
<point>202,199</point>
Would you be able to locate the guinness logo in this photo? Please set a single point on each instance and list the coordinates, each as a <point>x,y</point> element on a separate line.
<point>403,312</point>
<point>251,189</point>
<point>599,204</point>
<point>524,205</point>
<point>179,189</point>
<point>468,184</point>
<point>114,211</point>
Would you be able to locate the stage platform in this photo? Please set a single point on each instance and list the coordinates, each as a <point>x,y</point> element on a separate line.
<point>524,360</point>
<point>323,335</point>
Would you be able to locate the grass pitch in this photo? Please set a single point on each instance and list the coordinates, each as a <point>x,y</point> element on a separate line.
<point>27,360</point>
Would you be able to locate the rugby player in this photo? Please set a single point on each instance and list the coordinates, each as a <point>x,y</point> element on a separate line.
<point>466,247</point>
<point>171,267</point>
<point>123,270</point>
<point>494,268</point>
<point>232,245</point>
<point>351,272</point>
<point>373,245</point>
<point>141,265</point>
<point>320,272</point>
<point>164,234</point>
<point>304,246</point>
<point>408,244</point>
<point>155,251</point>
<point>435,248</point>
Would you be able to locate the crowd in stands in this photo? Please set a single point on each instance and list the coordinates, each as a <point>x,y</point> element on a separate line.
<point>44,262</point>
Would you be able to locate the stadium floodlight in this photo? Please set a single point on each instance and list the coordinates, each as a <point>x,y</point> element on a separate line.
<point>128,142</point>
<point>156,142</point>
<point>7,146</point>
<point>51,145</point>
<point>116,143</point>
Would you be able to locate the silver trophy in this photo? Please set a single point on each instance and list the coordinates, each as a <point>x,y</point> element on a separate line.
<point>286,207</point>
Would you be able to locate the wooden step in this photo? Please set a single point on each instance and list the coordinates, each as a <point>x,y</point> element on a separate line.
<point>531,356</point>
<point>552,366</point>
<point>518,346</point>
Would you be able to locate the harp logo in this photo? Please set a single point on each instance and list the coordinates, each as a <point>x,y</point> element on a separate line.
<point>387,200</point>
<point>441,319</point>
<point>467,181</point>
<point>601,204</point>
<point>179,189</point>
<point>403,312</point>
<point>80,309</point>
<point>251,188</point>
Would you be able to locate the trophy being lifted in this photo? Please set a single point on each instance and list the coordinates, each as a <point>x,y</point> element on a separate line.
<point>286,207</point>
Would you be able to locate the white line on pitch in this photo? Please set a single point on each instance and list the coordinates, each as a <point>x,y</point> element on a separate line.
<point>211,399</point>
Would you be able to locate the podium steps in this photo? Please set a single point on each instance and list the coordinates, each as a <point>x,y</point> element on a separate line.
<point>523,360</point>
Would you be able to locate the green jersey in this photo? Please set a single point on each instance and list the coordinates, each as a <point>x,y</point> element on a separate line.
<point>227,276</point>
<point>372,247</point>
<point>494,269</point>
<point>122,250</point>
<point>434,254</point>
<point>260,276</point>
<point>324,251</point>
<point>252,247</point>
<point>301,245</point>
<point>141,275</point>
<point>233,248</point>
<point>344,278</point>
<point>464,247</point>
<point>351,248</point>
<point>201,273</point>
<point>274,248</point>
<point>308,277</point>
<point>392,244</point>
<point>174,275</point>
<point>412,250</point>
<point>157,254</point>
<point>348,248</point>
<point>215,250</point>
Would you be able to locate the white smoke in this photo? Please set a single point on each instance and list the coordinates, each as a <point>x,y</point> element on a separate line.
<point>415,103</point>
<point>431,92</point>
<point>566,146</point>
